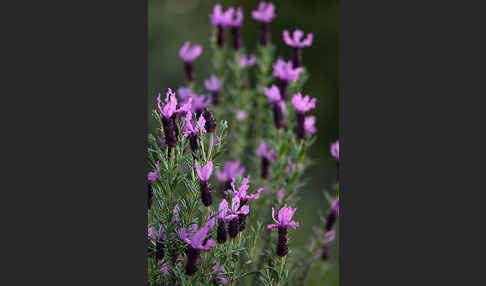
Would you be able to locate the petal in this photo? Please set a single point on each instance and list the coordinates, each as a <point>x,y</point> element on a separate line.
<point>272,226</point>
<point>287,39</point>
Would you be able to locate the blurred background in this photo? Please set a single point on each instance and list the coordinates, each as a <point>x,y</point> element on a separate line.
<point>172,22</point>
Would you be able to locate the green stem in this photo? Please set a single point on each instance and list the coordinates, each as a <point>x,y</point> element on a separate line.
<point>210,147</point>
<point>282,263</point>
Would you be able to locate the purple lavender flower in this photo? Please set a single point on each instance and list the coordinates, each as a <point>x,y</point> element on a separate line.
<point>335,154</point>
<point>335,150</point>
<point>267,156</point>
<point>264,14</point>
<point>297,44</point>
<point>169,112</point>
<point>244,198</point>
<point>241,114</point>
<point>199,103</point>
<point>220,20</point>
<point>204,175</point>
<point>235,21</point>
<point>302,105</point>
<point>231,170</point>
<point>222,218</point>
<point>193,131</point>
<point>213,84</point>
<point>159,245</point>
<point>278,105</point>
<point>220,268</point>
<point>285,73</point>
<point>236,209</point>
<point>210,121</point>
<point>152,177</point>
<point>284,222</point>
<point>309,125</point>
<point>189,54</point>
<point>324,251</point>
<point>333,215</point>
<point>185,93</point>
<point>164,268</point>
<point>151,232</point>
<point>247,60</point>
<point>175,217</point>
<point>280,194</point>
<point>197,241</point>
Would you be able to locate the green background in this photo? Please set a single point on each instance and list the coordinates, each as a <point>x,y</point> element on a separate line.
<point>172,22</point>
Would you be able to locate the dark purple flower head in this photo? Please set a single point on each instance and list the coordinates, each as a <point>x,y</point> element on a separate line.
<point>303,104</point>
<point>188,53</point>
<point>220,18</point>
<point>265,12</point>
<point>309,125</point>
<point>213,83</point>
<point>197,238</point>
<point>284,218</point>
<point>219,268</point>
<point>151,232</point>
<point>241,191</point>
<point>235,20</point>
<point>170,107</point>
<point>205,172</point>
<point>190,129</point>
<point>154,175</point>
<point>231,170</point>
<point>285,71</point>
<point>264,152</point>
<point>247,61</point>
<point>273,94</point>
<point>296,41</point>
<point>164,268</point>
<point>335,150</point>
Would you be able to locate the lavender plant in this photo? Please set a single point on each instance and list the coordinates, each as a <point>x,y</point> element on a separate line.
<point>198,236</point>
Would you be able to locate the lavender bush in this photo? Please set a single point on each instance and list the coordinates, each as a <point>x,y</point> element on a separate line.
<point>230,152</point>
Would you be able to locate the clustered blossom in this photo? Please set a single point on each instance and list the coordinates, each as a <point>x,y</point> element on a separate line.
<point>169,112</point>
<point>330,231</point>
<point>175,212</point>
<point>152,177</point>
<point>235,211</point>
<point>222,218</point>
<point>189,54</point>
<point>302,105</point>
<point>333,215</point>
<point>213,84</point>
<point>309,125</point>
<point>193,131</point>
<point>244,198</point>
<point>220,20</point>
<point>285,73</point>
<point>204,175</point>
<point>297,44</point>
<point>210,121</point>
<point>328,238</point>
<point>283,223</point>
<point>231,170</point>
<point>197,240</point>
<point>264,14</point>
<point>278,104</point>
<point>267,156</point>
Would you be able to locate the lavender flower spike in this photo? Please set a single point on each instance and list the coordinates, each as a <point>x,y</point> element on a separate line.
<point>267,156</point>
<point>297,45</point>
<point>193,131</point>
<point>222,218</point>
<point>199,103</point>
<point>204,175</point>
<point>213,84</point>
<point>219,268</point>
<point>168,113</point>
<point>302,105</point>
<point>197,241</point>
<point>235,22</point>
<point>231,170</point>
<point>285,73</point>
<point>189,54</point>
<point>210,121</point>
<point>328,238</point>
<point>247,61</point>
<point>284,222</point>
<point>264,14</point>
<point>152,177</point>
<point>275,99</point>
<point>244,198</point>
<point>220,20</point>
<point>236,209</point>
<point>333,215</point>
